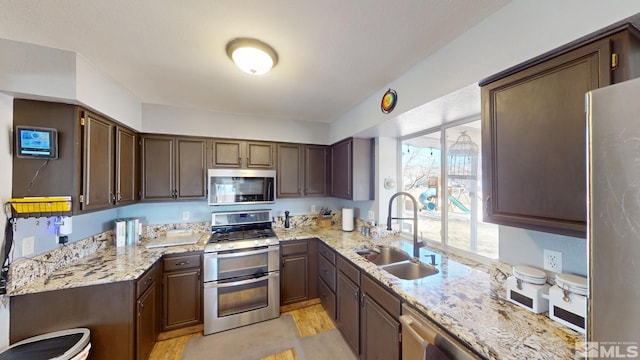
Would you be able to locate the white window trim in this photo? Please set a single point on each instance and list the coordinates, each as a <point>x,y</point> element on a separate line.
<point>443,244</point>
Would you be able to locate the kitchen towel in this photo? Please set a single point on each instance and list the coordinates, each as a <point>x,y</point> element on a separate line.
<point>347,219</point>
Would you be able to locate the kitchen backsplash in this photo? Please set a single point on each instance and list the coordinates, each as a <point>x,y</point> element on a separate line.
<point>27,269</point>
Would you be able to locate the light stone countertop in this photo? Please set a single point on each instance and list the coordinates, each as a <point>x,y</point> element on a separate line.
<point>460,297</point>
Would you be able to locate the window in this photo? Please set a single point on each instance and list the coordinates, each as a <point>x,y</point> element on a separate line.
<point>449,196</point>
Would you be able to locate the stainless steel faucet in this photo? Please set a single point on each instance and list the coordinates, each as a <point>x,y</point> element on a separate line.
<point>416,244</point>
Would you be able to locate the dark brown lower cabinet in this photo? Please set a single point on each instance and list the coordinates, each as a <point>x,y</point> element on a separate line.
<point>146,322</point>
<point>298,271</point>
<point>182,291</point>
<point>379,326</point>
<point>348,303</point>
<point>327,279</point>
<point>123,316</point>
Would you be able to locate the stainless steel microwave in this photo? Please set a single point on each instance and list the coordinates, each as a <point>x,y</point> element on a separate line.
<point>241,186</point>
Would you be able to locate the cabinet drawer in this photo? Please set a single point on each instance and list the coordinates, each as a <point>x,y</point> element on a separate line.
<point>327,272</point>
<point>181,262</point>
<point>327,252</point>
<point>144,281</point>
<point>349,270</point>
<point>294,248</point>
<point>327,298</point>
<point>381,296</point>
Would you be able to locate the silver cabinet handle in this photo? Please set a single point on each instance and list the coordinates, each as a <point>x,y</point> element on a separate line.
<point>238,283</point>
<point>244,253</point>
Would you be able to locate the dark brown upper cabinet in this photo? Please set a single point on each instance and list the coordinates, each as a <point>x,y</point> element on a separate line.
<point>98,165</point>
<point>226,153</point>
<point>352,169</point>
<point>97,162</point>
<point>534,131</point>
<point>127,166</point>
<point>302,170</point>
<point>173,167</point>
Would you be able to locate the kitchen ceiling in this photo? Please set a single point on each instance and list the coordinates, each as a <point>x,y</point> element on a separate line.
<point>332,53</point>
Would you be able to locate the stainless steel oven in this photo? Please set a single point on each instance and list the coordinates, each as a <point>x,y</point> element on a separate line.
<point>241,271</point>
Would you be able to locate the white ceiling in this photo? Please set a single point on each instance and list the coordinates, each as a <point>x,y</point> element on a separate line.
<point>332,53</point>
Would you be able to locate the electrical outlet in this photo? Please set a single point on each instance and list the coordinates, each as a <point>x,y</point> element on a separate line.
<point>313,208</point>
<point>185,215</point>
<point>28,245</point>
<point>371,215</point>
<point>552,261</point>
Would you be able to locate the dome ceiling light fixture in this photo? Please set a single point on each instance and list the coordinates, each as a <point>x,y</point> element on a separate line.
<point>252,56</point>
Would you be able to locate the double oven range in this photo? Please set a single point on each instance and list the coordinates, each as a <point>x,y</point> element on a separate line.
<point>241,270</point>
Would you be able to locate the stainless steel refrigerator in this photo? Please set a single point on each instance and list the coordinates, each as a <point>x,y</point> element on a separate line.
<point>613,141</point>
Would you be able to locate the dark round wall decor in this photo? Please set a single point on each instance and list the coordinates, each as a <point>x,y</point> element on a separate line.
<point>389,100</point>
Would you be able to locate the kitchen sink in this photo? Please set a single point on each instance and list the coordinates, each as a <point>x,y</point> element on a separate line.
<point>410,270</point>
<point>383,255</point>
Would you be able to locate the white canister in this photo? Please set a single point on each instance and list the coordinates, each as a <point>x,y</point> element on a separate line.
<point>347,219</point>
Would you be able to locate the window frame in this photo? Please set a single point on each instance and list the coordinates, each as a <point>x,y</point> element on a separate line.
<point>443,244</point>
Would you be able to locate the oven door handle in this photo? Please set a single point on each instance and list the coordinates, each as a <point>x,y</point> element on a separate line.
<point>244,253</point>
<point>238,283</point>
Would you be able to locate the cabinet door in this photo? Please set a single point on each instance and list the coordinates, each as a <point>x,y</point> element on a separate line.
<point>182,299</point>
<point>289,171</point>
<point>294,279</point>
<point>533,142</point>
<point>146,323</point>
<point>341,169</point>
<point>260,155</point>
<point>126,166</point>
<point>327,298</point>
<point>227,153</point>
<point>315,171</point>
<point>98,162</point>
<point>380,332</point>
<point>348,310</point>
<point>157,167</point>
<point>190,175</point>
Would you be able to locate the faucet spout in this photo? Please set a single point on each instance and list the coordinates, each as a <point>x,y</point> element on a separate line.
<point>416,244</point>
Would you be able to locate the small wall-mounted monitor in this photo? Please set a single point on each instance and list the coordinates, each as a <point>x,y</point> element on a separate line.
<point>36,142</point>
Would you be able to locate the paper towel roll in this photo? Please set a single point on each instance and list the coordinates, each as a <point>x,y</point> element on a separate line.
<point>66,228</point>
<point>347,219</point>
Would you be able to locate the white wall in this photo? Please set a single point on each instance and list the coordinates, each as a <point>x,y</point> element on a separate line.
<point>38,71</point>
<point>6,168</point>
<point>103,94</point>
<point>519,31</point>
<point>183,121</point>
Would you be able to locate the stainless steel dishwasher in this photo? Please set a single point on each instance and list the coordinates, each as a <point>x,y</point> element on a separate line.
<point>419,333</point>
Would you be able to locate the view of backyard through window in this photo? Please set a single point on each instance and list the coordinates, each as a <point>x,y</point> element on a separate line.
<point>450,195</point>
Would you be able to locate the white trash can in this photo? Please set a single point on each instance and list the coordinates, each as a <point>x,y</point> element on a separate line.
<point>71,344</point>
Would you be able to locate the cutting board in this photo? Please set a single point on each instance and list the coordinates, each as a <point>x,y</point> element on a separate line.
<point>173,240</point>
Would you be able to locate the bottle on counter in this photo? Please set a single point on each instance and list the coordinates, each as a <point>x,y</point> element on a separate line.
<point>286,220</point>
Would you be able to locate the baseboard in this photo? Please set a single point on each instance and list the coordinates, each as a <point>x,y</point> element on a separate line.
<point>299,305</point>
<point>180,332</point>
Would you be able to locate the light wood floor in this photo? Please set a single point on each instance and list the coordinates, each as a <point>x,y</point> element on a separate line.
<point>310,320</point>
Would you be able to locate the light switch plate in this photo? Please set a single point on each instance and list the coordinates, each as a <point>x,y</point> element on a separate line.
<point>28,245</point>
